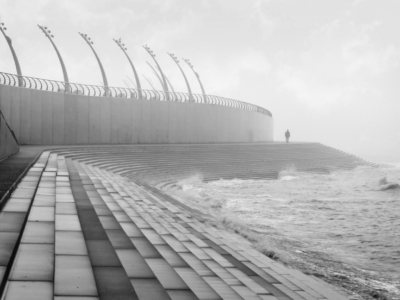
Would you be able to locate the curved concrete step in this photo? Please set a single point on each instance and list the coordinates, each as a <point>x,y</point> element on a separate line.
<point>88,222</point>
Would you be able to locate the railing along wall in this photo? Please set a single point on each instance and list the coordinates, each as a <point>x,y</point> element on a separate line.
<point>121,92</point>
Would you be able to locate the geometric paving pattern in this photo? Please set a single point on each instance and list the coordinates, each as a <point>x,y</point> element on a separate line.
<point>76,231</point>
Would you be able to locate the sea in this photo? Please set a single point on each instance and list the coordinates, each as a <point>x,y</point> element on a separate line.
<point>352,215</point>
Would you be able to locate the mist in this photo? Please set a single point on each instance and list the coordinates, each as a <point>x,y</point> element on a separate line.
<point>327,70</point>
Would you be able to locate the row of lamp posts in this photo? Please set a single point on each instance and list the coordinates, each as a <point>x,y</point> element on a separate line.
<point>121,45</point>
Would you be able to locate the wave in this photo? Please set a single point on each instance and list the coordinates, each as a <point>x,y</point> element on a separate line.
<point>336,212</point>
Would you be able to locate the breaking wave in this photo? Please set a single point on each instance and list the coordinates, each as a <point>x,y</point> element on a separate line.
<point>347,214</point>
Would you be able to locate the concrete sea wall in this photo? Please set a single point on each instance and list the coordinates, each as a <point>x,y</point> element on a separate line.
<point>51,118</point>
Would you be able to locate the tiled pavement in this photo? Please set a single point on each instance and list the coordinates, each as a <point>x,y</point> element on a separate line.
<point>75,231</point>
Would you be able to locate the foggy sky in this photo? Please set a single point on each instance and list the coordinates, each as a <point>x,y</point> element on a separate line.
<point>327,70</point>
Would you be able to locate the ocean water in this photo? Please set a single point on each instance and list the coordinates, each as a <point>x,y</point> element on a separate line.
<point>346,214</point>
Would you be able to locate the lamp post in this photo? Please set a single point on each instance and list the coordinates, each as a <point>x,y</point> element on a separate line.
<point>17,66</point>
<point>151,84</point>
<point>184,76</point>
<point>170,85</point>
<point>198,78</point>
<point>48,34</point>
<point>132,82</point>
<point>159,78</point>
<point>151,53</point>
<point>90,43</point>
<point>122,47</point>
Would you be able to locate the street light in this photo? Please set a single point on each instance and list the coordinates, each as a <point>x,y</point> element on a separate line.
<point>198,78</point>
<point>184,76</point>
<point>17,66</point>
<point>124,49</point>
<point>149,81</point>
<point>48,34</point>
<point>134,84</point>
<point>151,53</point>
<point>90,43</point>
<point>159,78</point>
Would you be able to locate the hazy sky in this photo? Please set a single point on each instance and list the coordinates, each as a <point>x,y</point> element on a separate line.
<point>329,71</point>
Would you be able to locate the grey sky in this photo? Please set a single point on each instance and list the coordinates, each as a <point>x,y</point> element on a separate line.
<point>328,70</point>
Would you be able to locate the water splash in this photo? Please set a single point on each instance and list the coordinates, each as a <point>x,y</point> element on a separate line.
<point>343,213</point>
<point>188,183</point>
<point>190,190</point>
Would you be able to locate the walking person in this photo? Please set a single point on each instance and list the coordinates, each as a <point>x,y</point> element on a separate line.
<point>287,136</point>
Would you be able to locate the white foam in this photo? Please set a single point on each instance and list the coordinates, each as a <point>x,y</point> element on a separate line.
<point>341,213</point>
<point>288,177</point>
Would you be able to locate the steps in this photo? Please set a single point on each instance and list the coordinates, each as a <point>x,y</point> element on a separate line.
<point>88,222</point>
<point>155,163</point>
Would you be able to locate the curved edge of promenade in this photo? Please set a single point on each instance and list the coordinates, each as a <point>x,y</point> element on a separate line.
<point>42,113</point>
<point>92,222</point>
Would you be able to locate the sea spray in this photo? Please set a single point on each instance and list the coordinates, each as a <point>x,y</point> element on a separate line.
<point>341,214</point>
<point>289,170</point>
<point>190,181</point>
<point>189,190</point>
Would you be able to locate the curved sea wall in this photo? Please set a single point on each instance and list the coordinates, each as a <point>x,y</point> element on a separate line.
<point>8,143</point>
<point>112,223</point>
<point>55,118</point>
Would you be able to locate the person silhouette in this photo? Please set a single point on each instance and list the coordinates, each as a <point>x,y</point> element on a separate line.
<point>287,136</point>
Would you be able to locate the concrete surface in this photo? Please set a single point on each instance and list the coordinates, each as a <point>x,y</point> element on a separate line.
<point>98,228</point>
<point>51,118</point>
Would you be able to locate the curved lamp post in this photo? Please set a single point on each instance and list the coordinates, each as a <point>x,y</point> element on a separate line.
<point>162,74</point>
<point>198,78</point>
<point>184,76</point>
<point>105,82</point>
<point>170,85</point>
<point>122,46</point>
<point>134,84</point>
<point>126,83</point>
<point>148,80</point>
<point>17,66</point>
<point>159,78</point>
<point>48,34</point>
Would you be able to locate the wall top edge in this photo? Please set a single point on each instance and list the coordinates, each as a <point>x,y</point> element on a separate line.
<point>121,92</point>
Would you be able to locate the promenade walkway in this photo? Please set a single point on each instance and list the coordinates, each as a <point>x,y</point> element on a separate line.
<point>87,223</point>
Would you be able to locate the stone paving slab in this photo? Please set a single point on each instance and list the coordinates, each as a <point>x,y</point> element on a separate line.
<point>74,276</point>
<point>35,290</point>
<point>34,262</point>
<point>39,233</point>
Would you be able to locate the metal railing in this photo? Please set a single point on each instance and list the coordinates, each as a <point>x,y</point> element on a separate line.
<point>120,92</point>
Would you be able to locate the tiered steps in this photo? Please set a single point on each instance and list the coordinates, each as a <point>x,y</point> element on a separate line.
<point>156,163</point>
<point>77,228</point>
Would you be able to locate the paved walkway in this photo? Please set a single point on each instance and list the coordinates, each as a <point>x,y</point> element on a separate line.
<point>75,230</point>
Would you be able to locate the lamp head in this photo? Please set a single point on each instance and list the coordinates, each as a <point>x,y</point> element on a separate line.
<point>2,27</point>
<point>120,44</point>
<point>86,38</point>
<point>149,50</point>
<point>188,62</point>
<point>46,32</point>
<point>173,56</point>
